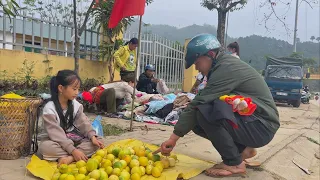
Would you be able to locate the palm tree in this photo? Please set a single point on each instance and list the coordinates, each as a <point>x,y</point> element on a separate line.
<point>318,39</point>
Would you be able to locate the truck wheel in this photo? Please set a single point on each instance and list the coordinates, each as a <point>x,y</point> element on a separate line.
<point>296,103</point>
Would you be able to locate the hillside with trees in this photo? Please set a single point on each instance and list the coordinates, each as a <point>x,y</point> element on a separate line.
<point>253,49</point>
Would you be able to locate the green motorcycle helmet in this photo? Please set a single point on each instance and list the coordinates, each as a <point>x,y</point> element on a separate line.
<point>200,45</point>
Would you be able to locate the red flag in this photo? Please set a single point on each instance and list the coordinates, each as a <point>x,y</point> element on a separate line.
<point>125,8</point>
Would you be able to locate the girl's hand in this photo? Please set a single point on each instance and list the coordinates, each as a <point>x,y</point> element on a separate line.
<point>96,142</point>
<point>79,155</point>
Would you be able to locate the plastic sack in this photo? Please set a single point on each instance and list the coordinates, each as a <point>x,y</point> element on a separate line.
<point>97,126</point>
<point>162,87</point>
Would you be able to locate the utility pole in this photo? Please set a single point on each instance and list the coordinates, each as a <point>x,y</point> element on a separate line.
<point>295,28</point>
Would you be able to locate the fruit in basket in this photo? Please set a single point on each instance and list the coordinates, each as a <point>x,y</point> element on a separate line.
<point>135,176</point>
<point>127,169</point>
<point>83,170</point>
<point>134,163</point>
<point>172,162</point>
<point>63,168</point>
<point>110,157</point>
<point>135,157</point>
<point>156,172</point>
<point>159,163</point>
<point>80,177</point>
<point>56,176</point>
<point>109,170</point>
<point>124,152</point>
<point>141,153</point>
<point>95,174</point>
<point>103,175</point>
<point>117,165</point>
<point>70,177</point>
<point>143,161</point>
<point>165,162</point>
<point>116,171</point>
<point>174,156</point>
<point>113,177</point>
<point>124,175</point>
<point>98,159</point>
<point>116,151</point>
<point>149,169</point>
<point>75,171</point>
<point>155,157</point>
<point>127,158</point>
<point>136,170</point>
<point>63,176</point>
<point>92,165</point>
<point>106,163</point>
<point>123,163</point>
<point>80,164</point>
<point>143,170</point>
<point>100,153</point>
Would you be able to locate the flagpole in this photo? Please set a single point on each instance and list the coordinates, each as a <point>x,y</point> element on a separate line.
<point>135,75</point>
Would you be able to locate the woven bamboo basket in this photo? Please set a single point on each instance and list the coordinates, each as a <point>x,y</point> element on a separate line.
<point>17,122</point>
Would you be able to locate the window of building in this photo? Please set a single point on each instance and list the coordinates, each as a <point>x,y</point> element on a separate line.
<point>29,49</point>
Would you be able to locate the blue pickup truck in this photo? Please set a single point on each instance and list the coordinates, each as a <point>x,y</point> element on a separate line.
<point>284,78</point>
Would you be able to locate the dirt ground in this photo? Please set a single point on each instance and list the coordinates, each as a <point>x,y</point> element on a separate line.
<point>297,139</point>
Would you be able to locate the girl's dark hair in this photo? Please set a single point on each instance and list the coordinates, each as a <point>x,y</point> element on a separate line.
<point>64,78</point>
<point>235,46</point>
<point>129,77</point>
<point>132,41</point>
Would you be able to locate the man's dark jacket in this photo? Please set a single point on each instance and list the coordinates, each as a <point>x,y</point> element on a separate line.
<point>146,85</point>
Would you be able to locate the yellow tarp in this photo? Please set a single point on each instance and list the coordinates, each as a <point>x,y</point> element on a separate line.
<point>185,168</point>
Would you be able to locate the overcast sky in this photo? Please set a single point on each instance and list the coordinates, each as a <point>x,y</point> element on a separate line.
<point>245,22</point>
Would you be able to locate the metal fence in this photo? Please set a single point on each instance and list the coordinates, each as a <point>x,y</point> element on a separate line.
<point>47,37</point>
<point>166,55</point>
<point>40,36</point>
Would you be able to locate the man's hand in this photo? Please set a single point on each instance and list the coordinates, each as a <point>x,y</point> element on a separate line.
<point>123,69</point>
<point>96,142</point>
<point>168,145</point>
<point>79,155</point>
<point>155,80</point>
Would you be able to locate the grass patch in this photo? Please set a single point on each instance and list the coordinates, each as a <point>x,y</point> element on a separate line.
<point>313,140</point>
<point>112,130</point>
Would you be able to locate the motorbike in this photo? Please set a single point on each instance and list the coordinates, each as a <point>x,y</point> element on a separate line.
<point>305,97</point>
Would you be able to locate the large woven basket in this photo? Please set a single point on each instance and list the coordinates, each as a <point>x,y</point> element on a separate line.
<point>17,122</point>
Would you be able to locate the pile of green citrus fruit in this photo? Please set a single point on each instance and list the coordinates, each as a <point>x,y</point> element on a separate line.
<point>116,163</point>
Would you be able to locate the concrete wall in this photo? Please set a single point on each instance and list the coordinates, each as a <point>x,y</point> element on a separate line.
<point>11,61</point>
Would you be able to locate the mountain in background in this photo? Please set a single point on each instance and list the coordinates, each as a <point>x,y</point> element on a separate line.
<point>253,49</point>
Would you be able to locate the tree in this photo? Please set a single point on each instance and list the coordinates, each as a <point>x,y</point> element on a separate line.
<point>101,15</point>
<point>80,28</point>
<point>223,7</point>
<point>57,11</point>
<point>307,62</point>
<point>312,38</point>
<point>10,7</point>
<point>318,39</point>
<point>273,15</point>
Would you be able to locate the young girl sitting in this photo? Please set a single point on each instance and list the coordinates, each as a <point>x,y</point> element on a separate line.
<point>69,135</point>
